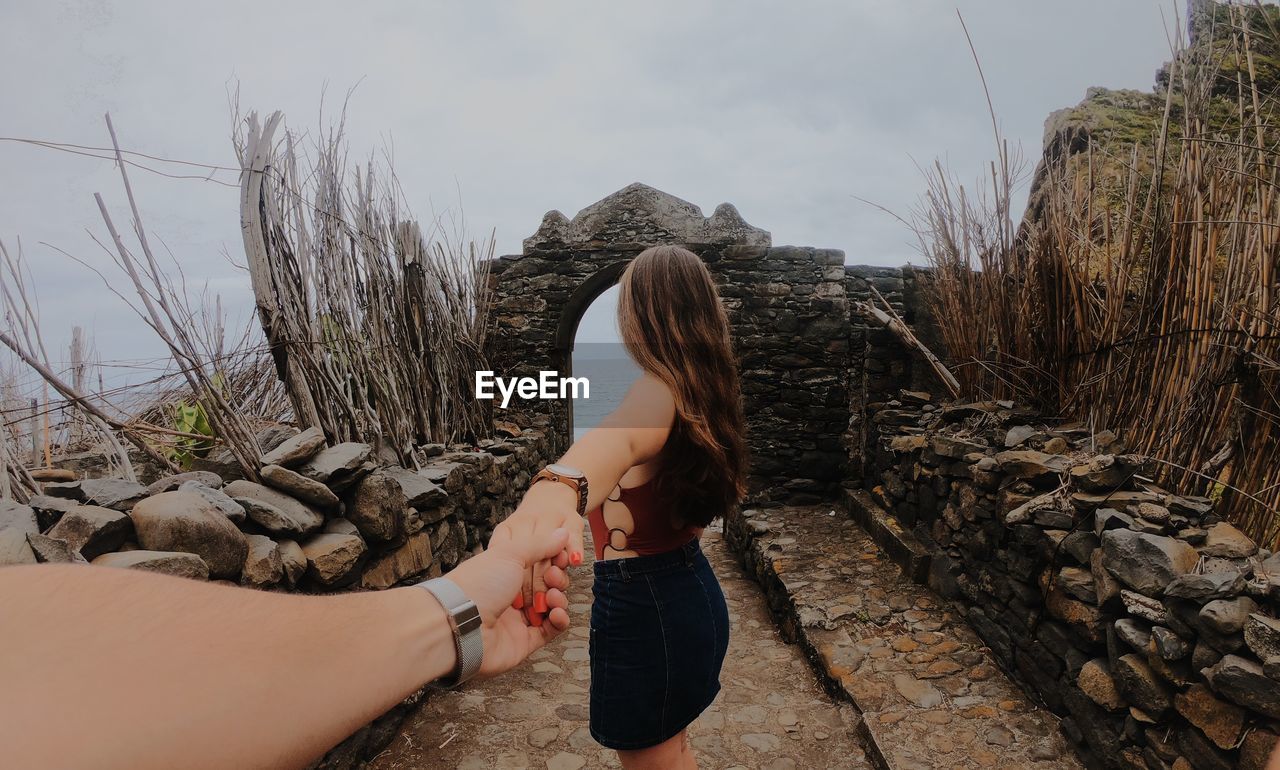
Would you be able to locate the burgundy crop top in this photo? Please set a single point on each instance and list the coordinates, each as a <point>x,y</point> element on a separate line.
<point>651,530</point>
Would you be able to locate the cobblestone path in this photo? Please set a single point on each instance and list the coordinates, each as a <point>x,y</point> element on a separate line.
<point>930,694</point>
<point>771,712</point>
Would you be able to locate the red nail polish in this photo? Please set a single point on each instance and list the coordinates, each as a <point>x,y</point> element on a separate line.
<point>518,602</point>
<point>575,559</point>
<point>540,602</point>
<point>535,619</point>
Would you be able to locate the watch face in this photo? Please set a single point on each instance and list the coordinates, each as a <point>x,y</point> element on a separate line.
<point>564,470</point>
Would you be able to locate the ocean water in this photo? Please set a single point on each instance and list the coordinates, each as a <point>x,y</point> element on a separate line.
<point>610,379</point>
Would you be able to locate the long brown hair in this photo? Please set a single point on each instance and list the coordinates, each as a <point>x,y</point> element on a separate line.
<point>675,328</point>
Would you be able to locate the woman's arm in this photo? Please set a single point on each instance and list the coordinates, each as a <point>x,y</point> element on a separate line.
<point>119,668</point>
<point>632,434</point>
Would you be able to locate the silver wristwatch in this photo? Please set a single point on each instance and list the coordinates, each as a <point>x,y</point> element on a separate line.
<point>465,619</point>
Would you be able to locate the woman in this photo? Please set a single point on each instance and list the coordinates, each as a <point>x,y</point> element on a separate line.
<point>659,469</point>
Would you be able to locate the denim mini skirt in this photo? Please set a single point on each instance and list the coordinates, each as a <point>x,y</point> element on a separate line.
<point>659,633</point>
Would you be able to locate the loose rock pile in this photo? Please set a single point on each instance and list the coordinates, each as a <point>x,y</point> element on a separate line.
<point>1134,612</point>
<point>324,518</point>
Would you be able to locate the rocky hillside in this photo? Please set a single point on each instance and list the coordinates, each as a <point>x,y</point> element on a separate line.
<point>1213,74</point>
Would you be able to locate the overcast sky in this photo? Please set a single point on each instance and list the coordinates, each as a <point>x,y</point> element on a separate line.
<point>786,110</point>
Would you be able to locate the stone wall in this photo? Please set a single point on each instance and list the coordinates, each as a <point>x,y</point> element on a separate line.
<point>879,364</point>
<point>1136,614</point>
<point>786,306</point>
<point>324,519</point>
<point>808,369</point>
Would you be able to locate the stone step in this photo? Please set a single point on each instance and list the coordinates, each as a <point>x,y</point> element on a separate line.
<point>930,694</point>
<point>911,556</point>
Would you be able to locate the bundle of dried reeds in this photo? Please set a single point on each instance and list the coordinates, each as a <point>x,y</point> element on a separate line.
<point>248,379</point>
<point>375,327</point>
<point>1145,300</point>
<point>193,337</point>
<point>22,337</point>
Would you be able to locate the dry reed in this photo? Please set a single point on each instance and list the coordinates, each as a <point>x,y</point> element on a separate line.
<point>375,327</point>
<point>222,384</point>
<point>1144,297</point>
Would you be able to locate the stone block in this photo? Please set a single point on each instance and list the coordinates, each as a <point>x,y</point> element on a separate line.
<point>1146,563</point>
<point>175,563</point>
<point>1220,721</point>
<point>93,530</point>
<point>186,522</point>
<point>1243,681</point>
<point>333,559</point>
<point>278,513</point>
<point>411,559</point>
<point>1141,686</point>
<point>1095,680</point>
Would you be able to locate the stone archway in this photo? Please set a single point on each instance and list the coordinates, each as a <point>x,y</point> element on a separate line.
<point>571,316</point>
<point>786,306</point>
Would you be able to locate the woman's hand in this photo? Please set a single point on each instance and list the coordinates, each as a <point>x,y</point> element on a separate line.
<point>492,578</point>
<point>547,506</point>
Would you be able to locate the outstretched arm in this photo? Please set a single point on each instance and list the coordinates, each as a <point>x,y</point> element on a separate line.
<point>632,434</point>
<point>118,668</point>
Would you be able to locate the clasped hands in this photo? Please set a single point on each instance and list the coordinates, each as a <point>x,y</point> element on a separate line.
<point>520,580</point>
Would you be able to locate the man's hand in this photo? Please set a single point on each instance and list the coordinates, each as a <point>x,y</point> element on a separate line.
<point>546,507</point>
<point>494,579</point>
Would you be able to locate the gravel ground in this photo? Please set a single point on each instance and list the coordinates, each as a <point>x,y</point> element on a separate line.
<point>771,712</point>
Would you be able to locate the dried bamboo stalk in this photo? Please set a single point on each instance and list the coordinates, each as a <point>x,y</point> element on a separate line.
<point>376,327</point>
<point>1144,296</point>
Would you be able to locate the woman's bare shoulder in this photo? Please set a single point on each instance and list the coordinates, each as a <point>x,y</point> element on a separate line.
<point>647,413</point>
<point>649,402</point>
<point>647,386</point>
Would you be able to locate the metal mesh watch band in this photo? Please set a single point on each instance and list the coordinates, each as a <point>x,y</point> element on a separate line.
<point>465,619</point>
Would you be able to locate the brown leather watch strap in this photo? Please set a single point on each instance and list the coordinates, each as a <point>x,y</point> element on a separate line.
<point>577,483</point>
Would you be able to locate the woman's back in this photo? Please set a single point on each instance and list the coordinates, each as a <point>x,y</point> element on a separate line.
<point>662,465</point>
<point>633,521</point>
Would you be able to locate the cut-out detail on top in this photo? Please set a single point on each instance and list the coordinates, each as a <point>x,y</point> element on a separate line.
<point>620,489</point>
<point>621,522</point>
<point>636,514</point>
<point>618,548</point>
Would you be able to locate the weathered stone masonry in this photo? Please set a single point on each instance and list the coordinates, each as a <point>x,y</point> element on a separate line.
<point>325,519</point>
<point>1133,612</point>
<point>879,365</point>
<point>786,306</point>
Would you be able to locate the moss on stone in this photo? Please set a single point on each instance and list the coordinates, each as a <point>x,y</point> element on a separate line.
<point>1112,119</point>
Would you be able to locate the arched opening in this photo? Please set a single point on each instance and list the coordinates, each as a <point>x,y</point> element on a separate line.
<point>582,297</point>
<point>795,388</point>
<point>588,345</point>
